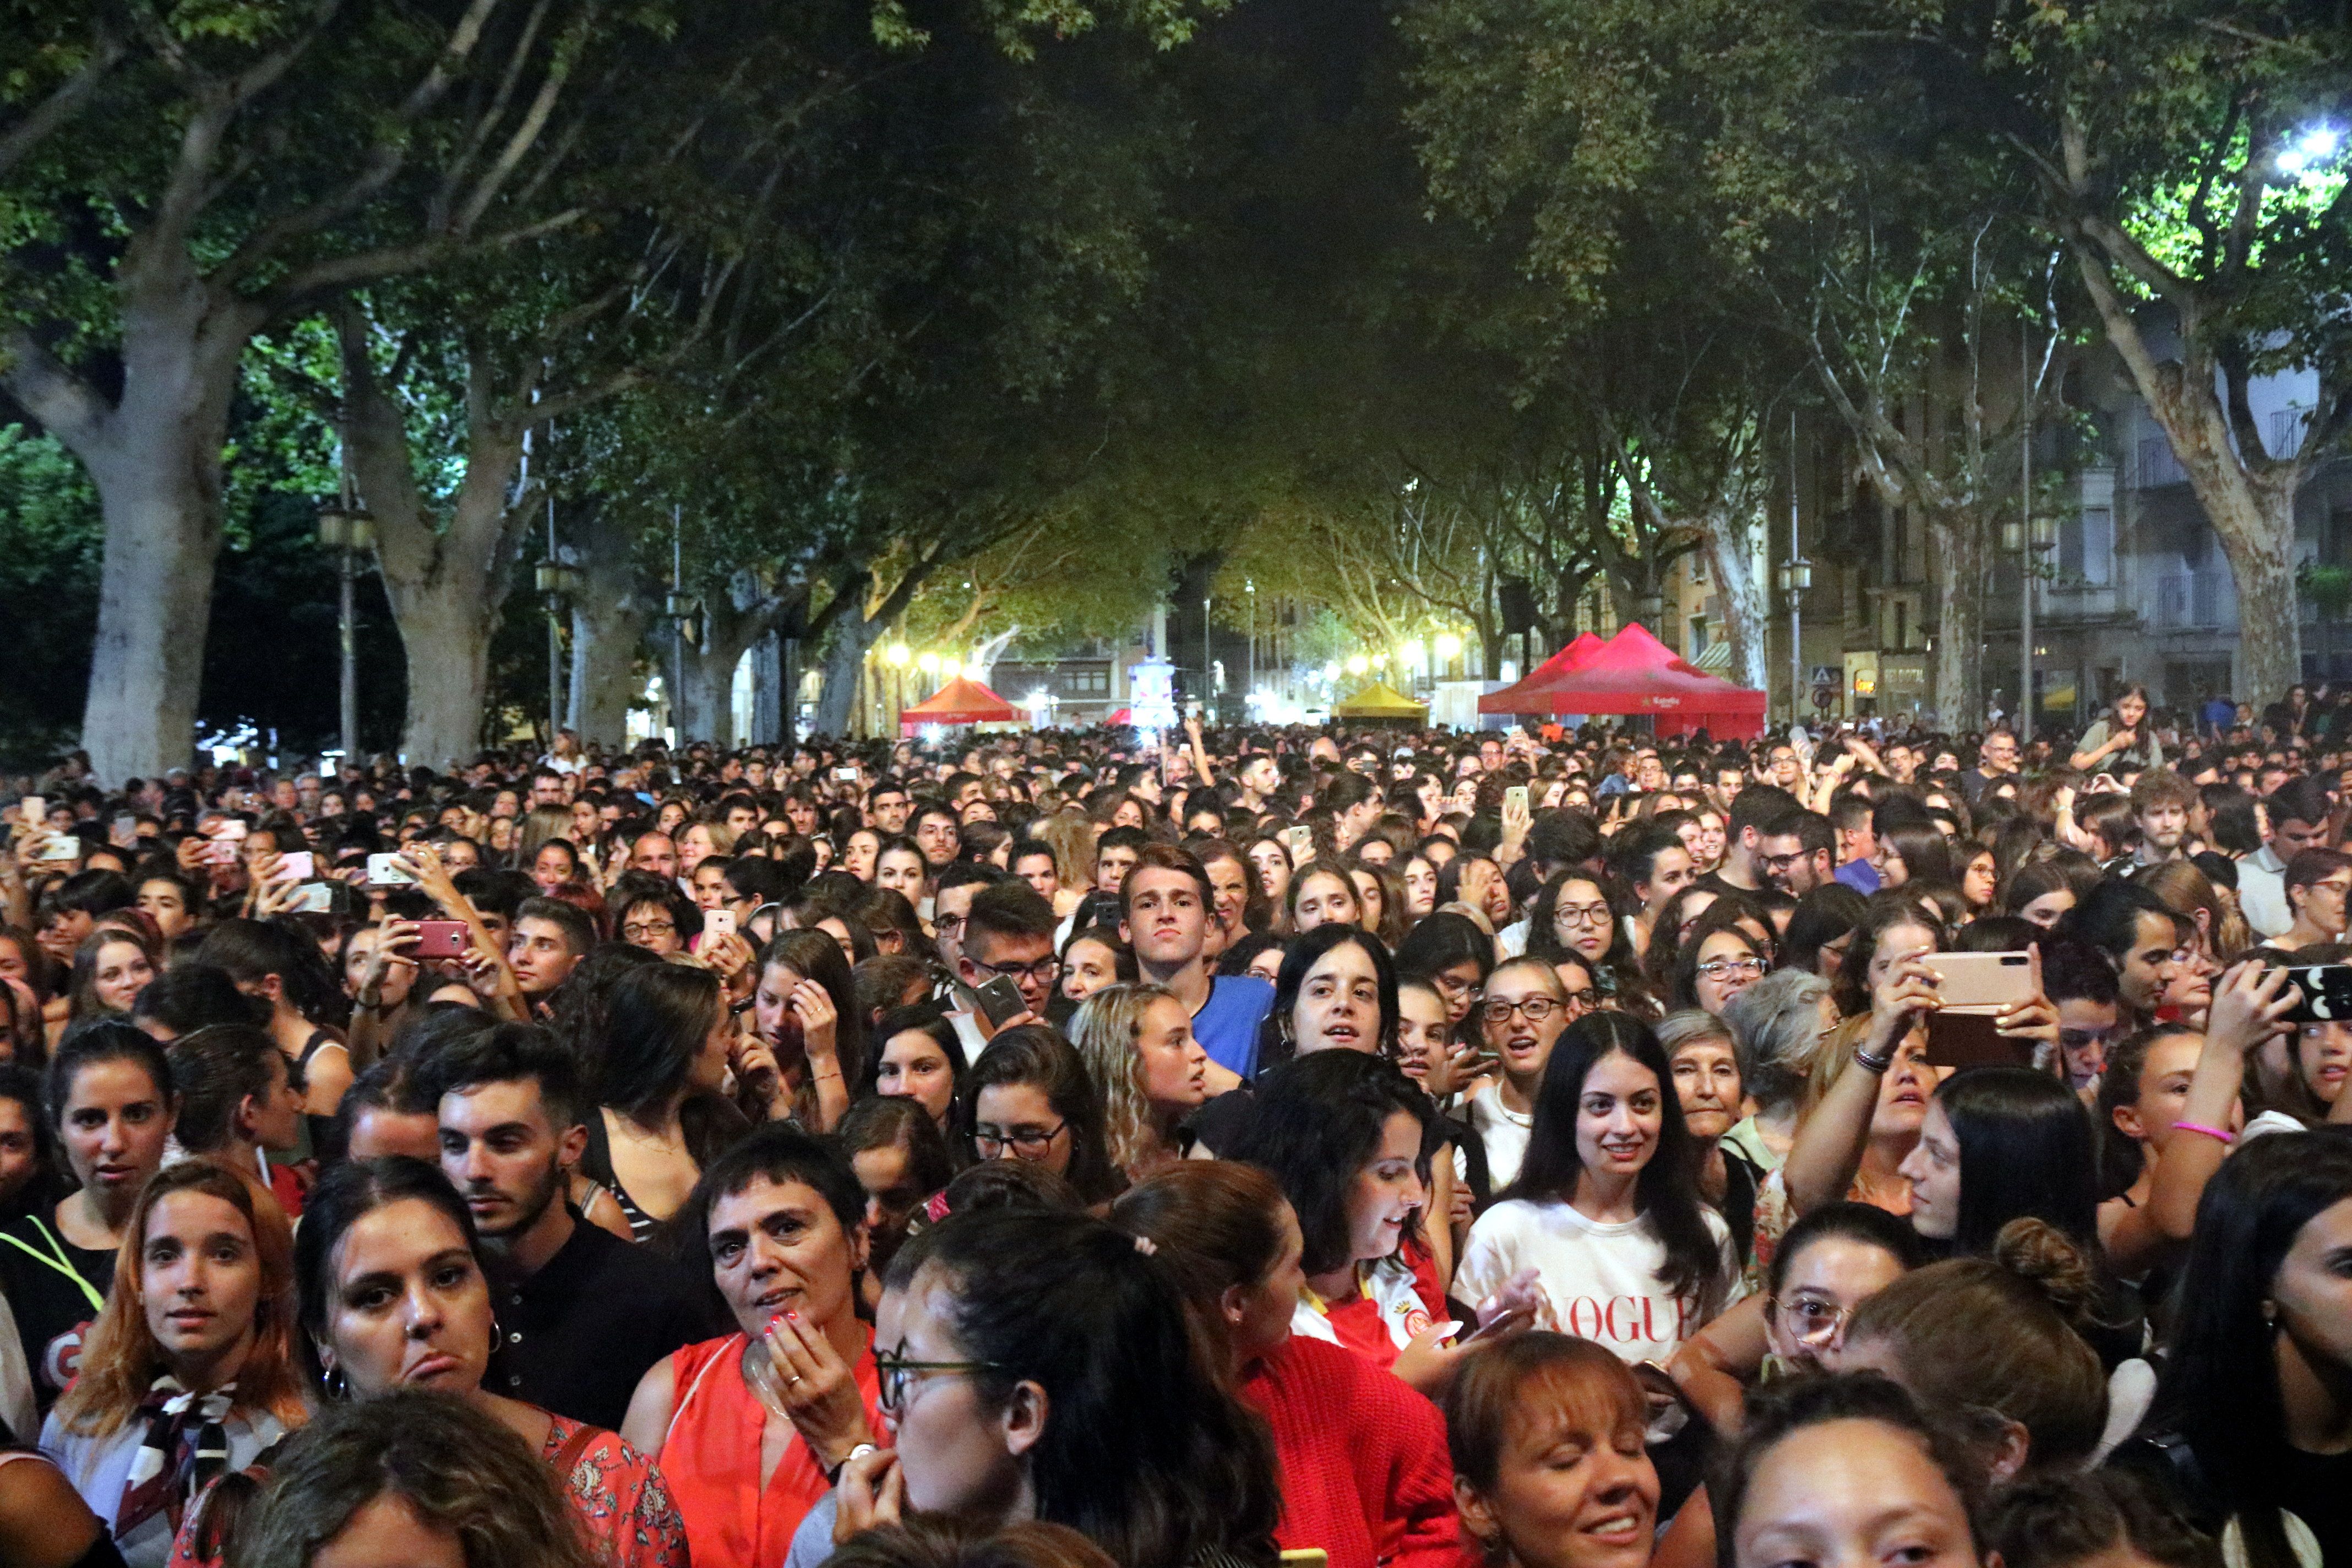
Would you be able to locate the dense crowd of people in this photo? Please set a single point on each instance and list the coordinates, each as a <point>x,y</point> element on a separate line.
<point>1568,1150</point>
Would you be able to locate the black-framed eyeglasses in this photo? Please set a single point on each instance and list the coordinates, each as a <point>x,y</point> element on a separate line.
<point>1028,1142</point>
<point>1534,1009</point>
<point>897,1372</point>
<point>1045,971</point>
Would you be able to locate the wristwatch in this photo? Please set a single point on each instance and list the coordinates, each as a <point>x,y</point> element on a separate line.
<point>832,1475</point>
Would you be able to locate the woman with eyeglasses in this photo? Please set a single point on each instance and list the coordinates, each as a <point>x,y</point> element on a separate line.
<point>1575,914</point>
<point>752,1430</point>
<point>1720,960</point>
<point>1519,1020</point>
<point>1829,1262</point>
<point>1606,1208</point>
<point>1037,1366</point>
<point>1029,1098</point>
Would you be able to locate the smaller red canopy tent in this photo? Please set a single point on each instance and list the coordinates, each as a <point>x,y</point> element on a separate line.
<point>960,701</point>
<point>1634,673</point>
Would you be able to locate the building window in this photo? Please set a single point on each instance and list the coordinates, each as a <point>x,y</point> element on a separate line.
<point>2087,546</point>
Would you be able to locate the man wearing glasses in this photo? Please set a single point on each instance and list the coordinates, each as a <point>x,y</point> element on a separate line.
<point>1008,933</point>
<point>1997,758</point>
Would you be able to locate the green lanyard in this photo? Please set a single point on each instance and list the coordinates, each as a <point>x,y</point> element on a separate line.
<point>56,1258</point>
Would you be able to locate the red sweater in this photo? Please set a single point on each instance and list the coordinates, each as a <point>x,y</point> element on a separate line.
<point>1365,1471</point>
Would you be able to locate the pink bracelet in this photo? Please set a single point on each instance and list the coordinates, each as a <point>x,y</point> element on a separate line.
<point>2209,1131</point>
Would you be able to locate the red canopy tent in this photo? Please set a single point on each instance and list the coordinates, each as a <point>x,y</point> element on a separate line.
<point>1634,673</point>
<point>1537,679</point>
<point>960,701</point>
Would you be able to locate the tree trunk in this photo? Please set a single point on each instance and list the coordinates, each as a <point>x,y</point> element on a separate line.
<point>1735,545</point>
<point>447,634</point>
<point>156,456</point>
<point>1957,540</point>
<point>844,658</point>
<point>610,616</point>
<point>446,584</point>
<point>2248,496</point>
<point>733,619</point>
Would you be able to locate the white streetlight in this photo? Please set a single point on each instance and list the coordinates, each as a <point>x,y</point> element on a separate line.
<point>1449,646</point>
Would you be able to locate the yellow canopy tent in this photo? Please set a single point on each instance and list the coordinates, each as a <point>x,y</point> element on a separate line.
<point>1378,701</point>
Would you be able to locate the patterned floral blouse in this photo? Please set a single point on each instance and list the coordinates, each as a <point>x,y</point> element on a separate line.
<point>623,1506</point>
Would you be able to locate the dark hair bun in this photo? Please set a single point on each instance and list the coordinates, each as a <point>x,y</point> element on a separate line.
<point>2039,1254</point>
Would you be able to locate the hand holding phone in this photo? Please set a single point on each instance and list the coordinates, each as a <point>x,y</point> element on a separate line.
<point>999,999</point>
<point>442,938</point>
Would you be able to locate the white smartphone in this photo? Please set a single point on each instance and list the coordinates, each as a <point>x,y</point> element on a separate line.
<point>1515,798</point>
<point>718,922</point>
<point>31,812</point>
<point>295,866</point>
<point>62,846</point>
<point>384,871</point>
<point>313,899</point>
<point>230,828</point>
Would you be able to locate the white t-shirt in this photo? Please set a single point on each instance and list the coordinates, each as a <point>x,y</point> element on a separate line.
<point>1599,1281</point>
<point>1504,1132</point>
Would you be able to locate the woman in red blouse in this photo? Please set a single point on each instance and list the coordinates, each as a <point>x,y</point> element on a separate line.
<point>750,1429</point>
<point>1364,1470</point>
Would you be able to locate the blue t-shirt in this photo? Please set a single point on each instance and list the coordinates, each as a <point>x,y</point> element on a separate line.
<point>1859,875</point>
<point>1226,1026</point>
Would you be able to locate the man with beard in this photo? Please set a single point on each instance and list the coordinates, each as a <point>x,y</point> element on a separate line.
<point>581,1314</point>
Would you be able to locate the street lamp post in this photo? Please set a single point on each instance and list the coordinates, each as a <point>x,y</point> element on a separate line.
<point>1249,586</point>
<point>1795,578</point>
<point>556,583</point>
<point>348,530</point>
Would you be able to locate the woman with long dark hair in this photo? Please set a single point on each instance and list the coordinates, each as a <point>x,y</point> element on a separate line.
<point>2251,1403</point>
<point>278,963</point>
<point>1029,1097</point>
<point>1999,1144</point>
<point>394,1297</point>
<point>1361,1456</point>
<point>1336,990</point>
<point>1349,1138</point>
<point>1037,1366</point>
<point>1606,1207</point>
<point>661,1118</point>
<point>110,1102</point>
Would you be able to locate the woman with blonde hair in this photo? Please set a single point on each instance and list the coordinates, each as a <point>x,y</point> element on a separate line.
<point>189,1370</point>
<point>545,822</point>
<point>1071,837</point>
<point>1136,1042</point>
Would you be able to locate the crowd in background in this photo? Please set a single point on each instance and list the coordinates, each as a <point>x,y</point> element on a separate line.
<point>1562,1149</point>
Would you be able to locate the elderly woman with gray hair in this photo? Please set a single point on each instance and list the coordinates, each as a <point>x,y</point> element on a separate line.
<point>1708,1076</point>
<point>1779,1026</point>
